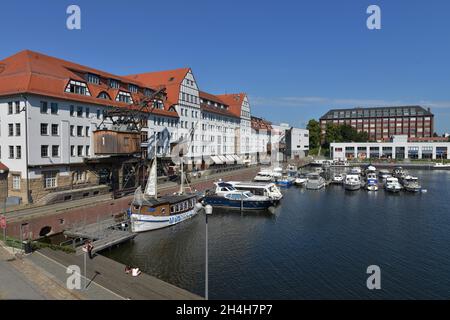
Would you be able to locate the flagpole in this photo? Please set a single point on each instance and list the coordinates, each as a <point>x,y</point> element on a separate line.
<point>156,166</point>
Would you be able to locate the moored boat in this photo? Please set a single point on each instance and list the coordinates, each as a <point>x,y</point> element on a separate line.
<point>259,188</point>
<point>384,174</point>
<point>315,181</point>
<point>372,181</point>
<point>441,166</point>
<point>352,182</point>
<point>392,185</point>
<point>411,184</point>
<point>285,181</point>
<point>263,176</point>
<point>301,180</point>
<point>227,196</point>
<point>338,178</point>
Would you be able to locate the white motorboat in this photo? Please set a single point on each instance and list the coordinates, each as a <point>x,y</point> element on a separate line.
<point>441,166</point>
<point>315,181</point>
<point>352,182</point>
<point>338,178</point>
<point>392,185</point>
<point>355,170</point>
<point>259,188</point>
<point>263,176</point>
<point>300,181</point>
<point>411,184</point>
<point>384,174</point>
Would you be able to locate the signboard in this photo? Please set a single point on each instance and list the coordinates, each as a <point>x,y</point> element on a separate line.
<point>2,222</point>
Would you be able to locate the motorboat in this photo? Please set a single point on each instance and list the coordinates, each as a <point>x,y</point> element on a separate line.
<point>411,184</point>
<point>441,166</point>
<point>259,188</point>
<point>355,170</point>
<point>369,169</point>
<point>263,176</point>
<point>285,181</point>
<point>292,170</point>
<point>352,182</point>
<point>398,172</point>
<point>277,173</point>
<point>371,181</point>
<point>338,178</point>
<point>392,185</point>
<point>315,181</point>
<point>301,180</point>
<point>227,196</point>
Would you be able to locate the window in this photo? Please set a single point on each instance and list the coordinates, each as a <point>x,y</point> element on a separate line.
<point>72,130</point>
<point>92,78</point>
<point>55,151</point>
<point>147,92</point>
<point>50,179</point>
<point>114,83</point>
<point>10,107</point>
<point>98,113</point>
<point>124,97</point>
<point>44,129</point>
<point>44,151</point>
<point>79,111</point>
<point>87,149</point>
<point>72,151</point>
<point>80,151</point>
<point>79,131</point>
<point>104,95</point>
<point>132,88</point>
<point>16,182</point>
<point>55,129</point>
<point>87,131</point>
<point>18,152</point>
<point>72,110</point>
<point>87,112</point>
<point>10,129</point>
<point>11,152</point>
<point>17,106</point>
<point>78,87</point>
<point>54,108</point>
<point>44,107</point>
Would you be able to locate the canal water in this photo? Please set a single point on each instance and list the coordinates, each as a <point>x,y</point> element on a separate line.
<point>316,245</point>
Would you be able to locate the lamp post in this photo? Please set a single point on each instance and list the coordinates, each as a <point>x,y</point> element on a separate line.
<point>208,211</point>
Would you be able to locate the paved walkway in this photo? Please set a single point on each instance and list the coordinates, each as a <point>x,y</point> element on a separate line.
<point>21,279</point>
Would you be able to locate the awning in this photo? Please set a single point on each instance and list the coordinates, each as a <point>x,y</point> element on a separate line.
<point>230,159</point>
<point>216,160</point>
<point>237,158</point>
<point>224,160</point>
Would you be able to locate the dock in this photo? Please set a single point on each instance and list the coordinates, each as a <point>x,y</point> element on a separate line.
<point>103,234</point>
<point>106,279</point>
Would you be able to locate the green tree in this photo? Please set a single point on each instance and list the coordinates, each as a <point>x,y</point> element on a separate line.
<point>314,134</point>
<point>332,134</point>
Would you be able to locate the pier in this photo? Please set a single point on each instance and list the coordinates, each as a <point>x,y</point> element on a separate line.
<point>103,234</point>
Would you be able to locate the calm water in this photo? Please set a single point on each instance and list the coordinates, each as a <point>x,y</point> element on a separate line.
<point>317,245</point>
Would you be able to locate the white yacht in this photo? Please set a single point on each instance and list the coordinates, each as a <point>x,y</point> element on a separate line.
<point>338,178</point>
<point>392,185</point>
<point>263,176</point>
<point>372,181</point>
<point>411,183</point>
<point>315,181</point>
<point>352,182</point>
<point>258,188</point>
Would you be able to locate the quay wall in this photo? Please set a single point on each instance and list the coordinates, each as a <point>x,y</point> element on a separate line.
<point>36,226</point>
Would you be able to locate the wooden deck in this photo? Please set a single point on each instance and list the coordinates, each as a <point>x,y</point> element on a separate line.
<point>111,275</point>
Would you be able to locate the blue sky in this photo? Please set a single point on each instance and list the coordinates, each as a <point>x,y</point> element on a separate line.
<point>295,59</point>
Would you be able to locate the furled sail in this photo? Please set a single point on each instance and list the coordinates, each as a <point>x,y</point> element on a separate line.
<point>138,196</point>
<point>150,188</point>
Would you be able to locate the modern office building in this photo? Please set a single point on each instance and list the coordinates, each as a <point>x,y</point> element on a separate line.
<point>383,122</point>
<point>399,147</point>
<point>297,143</point>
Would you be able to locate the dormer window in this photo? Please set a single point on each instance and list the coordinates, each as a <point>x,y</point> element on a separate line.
<point>132,88</point>
<point>104,95</point>
<point>114,84</point>
<point>148,92</point>
<point>93,78</point>
<point>78,88</point>
<point>124,97</point>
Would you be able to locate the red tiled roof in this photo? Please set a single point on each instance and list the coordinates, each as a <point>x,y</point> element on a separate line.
<point>171,79</point>
<point>234,100</point>
<point>213,109</point>
<point>35,73</point>
<point>3,167</point>
<point>259,124</point>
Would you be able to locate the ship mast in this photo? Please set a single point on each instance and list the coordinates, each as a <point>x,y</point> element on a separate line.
<point>156,164</point>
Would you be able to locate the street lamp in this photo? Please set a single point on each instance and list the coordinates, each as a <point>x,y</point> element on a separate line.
<point>208,211</point>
